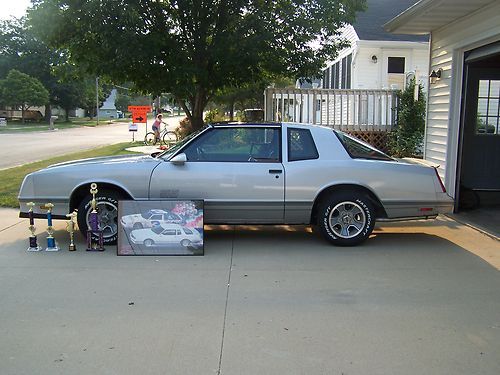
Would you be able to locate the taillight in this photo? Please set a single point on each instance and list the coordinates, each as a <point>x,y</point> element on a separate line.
<point>439,179</point>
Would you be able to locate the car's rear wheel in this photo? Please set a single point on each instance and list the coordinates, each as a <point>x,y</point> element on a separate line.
<point>107,213</point>
<point>346,219</point>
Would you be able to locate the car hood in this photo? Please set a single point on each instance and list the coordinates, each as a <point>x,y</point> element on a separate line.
<point>108,160</point>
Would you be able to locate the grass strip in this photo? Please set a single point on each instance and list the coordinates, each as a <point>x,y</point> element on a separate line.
<point>11,179</point>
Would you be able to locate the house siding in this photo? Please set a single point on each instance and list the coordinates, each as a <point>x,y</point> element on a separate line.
<point>448,45</point>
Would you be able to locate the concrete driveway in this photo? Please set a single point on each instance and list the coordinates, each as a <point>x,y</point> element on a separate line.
<point>417,298</point>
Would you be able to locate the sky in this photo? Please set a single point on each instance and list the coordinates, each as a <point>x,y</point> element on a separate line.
<point>16,8</point>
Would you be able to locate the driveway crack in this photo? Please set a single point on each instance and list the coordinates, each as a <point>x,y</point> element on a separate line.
<point>227,300</point>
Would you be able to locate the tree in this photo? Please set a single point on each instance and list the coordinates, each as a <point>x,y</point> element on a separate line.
<point>193,48</point>
<point>21,48</point>
<point>21,90</point>
<point>407,138</point>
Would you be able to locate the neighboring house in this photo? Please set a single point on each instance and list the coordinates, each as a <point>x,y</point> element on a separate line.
<point>108,109</point>
<point>377,59</point>
<point>462,128</point>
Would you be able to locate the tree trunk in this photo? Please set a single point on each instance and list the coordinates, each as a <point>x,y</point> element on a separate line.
<point>23,112</point>
<point>198,104</point>
<point>66,114</point>
<point>48,112</point>
<point>231,109</point>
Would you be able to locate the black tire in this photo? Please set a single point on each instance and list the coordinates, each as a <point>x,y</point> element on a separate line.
<point>107,208</point>
<point>150,139</point>
<point>169,138</point>
<point>346,219</point>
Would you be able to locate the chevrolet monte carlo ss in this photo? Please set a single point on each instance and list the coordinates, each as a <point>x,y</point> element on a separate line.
<point>265,173</point>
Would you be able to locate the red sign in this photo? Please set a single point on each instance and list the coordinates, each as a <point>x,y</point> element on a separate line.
<point>139,117</point>
<point>139,108</point>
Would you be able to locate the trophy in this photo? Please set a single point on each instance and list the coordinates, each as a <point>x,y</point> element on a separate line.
<point>51,242</point>
<point>93,228</point>
<point>70,227</point>
<point>33,242</point>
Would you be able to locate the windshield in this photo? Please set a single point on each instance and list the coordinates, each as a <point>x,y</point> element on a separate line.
<point>176,147</point>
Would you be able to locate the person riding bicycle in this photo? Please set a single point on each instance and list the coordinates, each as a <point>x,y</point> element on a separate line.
<point>157,125</point>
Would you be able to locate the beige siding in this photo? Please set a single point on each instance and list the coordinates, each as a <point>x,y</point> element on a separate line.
<point>443,115</point>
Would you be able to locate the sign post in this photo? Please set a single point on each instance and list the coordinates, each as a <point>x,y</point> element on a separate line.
<point>139,116</point>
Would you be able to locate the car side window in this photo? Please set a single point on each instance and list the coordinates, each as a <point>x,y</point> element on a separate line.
<point>169,232</point>
<point>236,144</point>
<point>301,145</point>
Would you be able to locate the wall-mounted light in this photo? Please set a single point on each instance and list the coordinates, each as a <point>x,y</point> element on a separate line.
<point>435,76</point>
<point>374,59</point>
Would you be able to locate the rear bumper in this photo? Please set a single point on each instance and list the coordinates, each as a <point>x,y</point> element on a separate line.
<point>418,210</point>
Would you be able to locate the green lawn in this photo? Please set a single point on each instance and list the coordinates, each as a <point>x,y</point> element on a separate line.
<point>11,179</point>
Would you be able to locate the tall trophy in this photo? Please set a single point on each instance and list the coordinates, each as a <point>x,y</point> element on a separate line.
<point>93,228</point>
<point>33,241</point>
<point>70,227</point>
<point>51,242</point>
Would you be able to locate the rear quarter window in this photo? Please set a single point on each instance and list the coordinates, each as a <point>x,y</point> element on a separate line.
<point>360,150</point>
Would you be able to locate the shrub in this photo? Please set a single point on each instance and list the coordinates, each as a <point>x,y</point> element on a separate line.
<point>184,128</point>
<point>406,139</point>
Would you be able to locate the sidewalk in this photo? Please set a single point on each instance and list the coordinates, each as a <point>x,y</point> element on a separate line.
<point>414,299</point>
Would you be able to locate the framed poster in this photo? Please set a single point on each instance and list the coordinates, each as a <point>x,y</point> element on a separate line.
<point>163,227</point>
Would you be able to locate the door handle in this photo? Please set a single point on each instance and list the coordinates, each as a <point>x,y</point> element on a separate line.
<point>275,171</point>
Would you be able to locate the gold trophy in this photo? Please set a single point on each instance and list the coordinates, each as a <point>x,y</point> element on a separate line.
<point>33,242</point>
<point>93,228</point>
<point>51,242</point>
<point>70,227</point>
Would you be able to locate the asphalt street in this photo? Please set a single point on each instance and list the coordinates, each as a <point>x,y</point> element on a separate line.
<point>21,148</point>
<point>416,298</point>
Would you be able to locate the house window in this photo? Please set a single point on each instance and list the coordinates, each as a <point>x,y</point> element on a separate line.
<point>337,75</point>
<point>326,84</point>
<point>344,69</point>
<point>332,77</point>
<point>348,72</point>
<point>488,107</point>
<point>396,65</point>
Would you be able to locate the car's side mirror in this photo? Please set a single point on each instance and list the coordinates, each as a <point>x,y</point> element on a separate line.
<point>179,159</point>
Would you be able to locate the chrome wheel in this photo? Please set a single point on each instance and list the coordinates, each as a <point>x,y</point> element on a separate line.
<point>107,214</point>
<point>347,219</point>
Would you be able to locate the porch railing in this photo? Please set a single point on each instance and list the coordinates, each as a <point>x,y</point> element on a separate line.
<point>347,110</point>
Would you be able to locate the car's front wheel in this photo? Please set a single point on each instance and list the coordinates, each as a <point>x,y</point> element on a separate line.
<point>107,214</point>
<point>346,219</point>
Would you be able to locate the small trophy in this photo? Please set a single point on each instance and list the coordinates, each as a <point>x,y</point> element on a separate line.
<point>51,242</point>
<point>33,242</point>
<point>93,228</point>
<point>70,227</point>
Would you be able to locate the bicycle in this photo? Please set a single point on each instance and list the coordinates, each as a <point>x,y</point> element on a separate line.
<point>167,137</point>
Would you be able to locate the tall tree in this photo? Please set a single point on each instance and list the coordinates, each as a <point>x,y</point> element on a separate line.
<point>21,90</point>
<point>191,48</point>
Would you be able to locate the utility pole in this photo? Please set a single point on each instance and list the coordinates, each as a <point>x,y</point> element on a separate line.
<point>97,98</point>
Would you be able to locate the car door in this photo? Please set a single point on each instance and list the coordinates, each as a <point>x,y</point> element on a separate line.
<point>236,170</point>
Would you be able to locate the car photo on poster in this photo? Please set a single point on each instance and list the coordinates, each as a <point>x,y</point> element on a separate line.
<point>166,227</point>
<point>149,219</point>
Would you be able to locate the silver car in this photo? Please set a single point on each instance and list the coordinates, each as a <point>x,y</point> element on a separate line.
<point>263,173</point>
